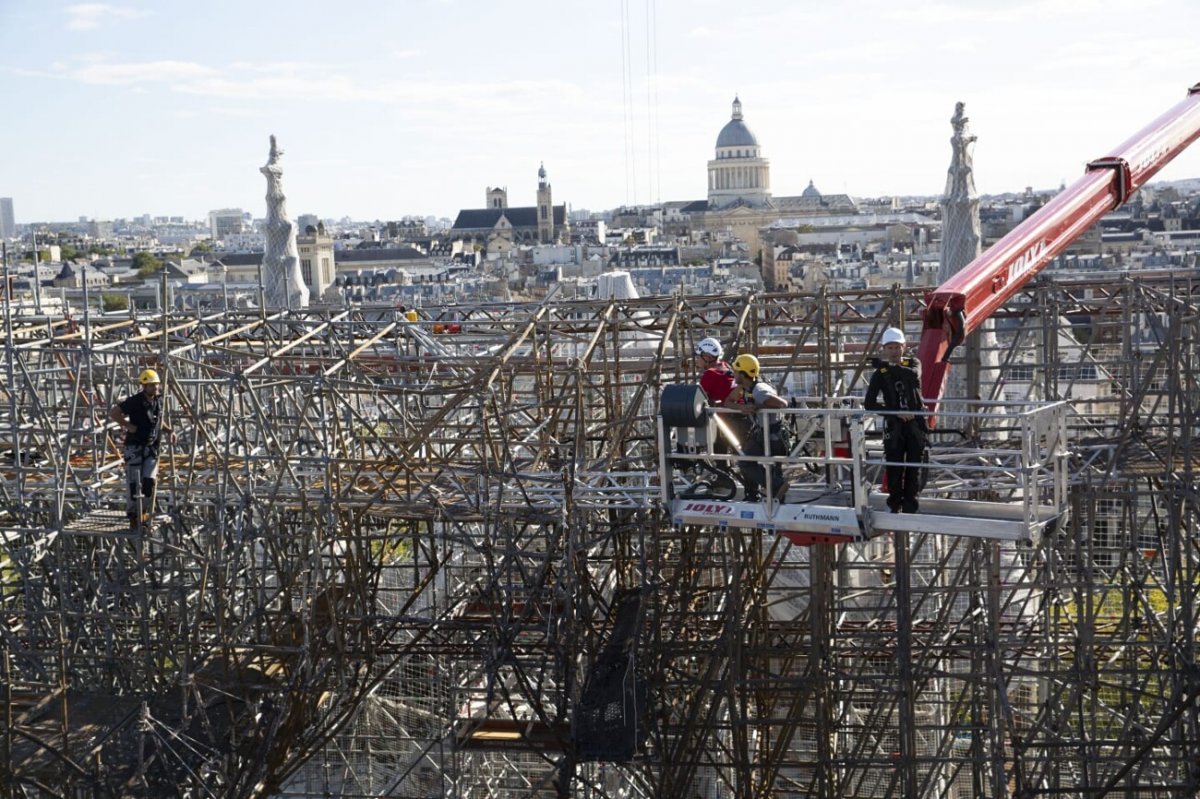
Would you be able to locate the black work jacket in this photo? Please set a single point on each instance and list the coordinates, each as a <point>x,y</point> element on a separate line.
<point>900,387</point>
<point>146,413</point>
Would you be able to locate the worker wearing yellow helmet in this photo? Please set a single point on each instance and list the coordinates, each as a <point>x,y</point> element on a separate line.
<point>144,426</point>
<point>755,396</point>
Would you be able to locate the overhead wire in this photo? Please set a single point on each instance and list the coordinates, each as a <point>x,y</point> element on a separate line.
<point>653,163</point>
<point>627,108</point>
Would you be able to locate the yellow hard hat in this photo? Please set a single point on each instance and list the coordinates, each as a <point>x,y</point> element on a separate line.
<point>149,376</point>
<point>747,364</point>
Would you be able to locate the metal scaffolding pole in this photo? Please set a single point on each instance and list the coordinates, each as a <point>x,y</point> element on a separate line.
<point>404,562</point>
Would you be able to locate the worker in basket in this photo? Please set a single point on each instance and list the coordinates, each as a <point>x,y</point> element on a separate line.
<point>904,434</point>
<point>752,397</point>
<point>717,380</point>
<point>717,383</point>
<point>140,416</point>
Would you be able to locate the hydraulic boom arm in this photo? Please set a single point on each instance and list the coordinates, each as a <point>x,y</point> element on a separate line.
<point>960,305</point>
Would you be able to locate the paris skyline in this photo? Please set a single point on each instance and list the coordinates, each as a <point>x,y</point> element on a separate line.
<point>385,110</point>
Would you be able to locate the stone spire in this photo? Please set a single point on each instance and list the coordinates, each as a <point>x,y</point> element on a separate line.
<point>960,204</point>
<point>961,239</point>
<point>283,282</point>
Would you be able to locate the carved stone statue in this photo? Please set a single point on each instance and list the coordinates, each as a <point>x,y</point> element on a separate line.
<point>283,281</point>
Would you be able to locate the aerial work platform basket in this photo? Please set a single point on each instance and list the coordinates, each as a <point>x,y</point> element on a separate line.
<point>995,470</point>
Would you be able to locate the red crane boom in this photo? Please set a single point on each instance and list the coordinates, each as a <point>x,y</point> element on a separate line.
<point>960,305</point>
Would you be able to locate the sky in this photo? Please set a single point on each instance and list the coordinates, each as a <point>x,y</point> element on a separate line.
<point>387,108</point>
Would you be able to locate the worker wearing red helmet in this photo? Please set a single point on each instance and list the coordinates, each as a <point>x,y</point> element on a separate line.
<point>140,416</point>
<point>896,381</point>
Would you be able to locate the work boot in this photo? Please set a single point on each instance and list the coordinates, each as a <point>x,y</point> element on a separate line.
<point>894,503</point>
<point>910,505</point>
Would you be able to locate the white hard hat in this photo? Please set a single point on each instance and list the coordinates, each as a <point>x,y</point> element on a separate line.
<point>893,335</point>
<point>709,346</point>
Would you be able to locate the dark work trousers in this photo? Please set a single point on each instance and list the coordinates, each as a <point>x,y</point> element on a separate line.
<point>755,474</point>
<point>903,442</point>
<point>141,468</point>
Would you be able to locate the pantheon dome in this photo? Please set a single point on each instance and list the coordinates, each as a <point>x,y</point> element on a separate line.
<point>738,175</point>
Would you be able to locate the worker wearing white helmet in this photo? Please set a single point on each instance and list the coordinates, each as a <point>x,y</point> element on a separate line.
<point>142,421</point>
<point>895,390</point>
<point>711,347</point>
<point>717,380</point>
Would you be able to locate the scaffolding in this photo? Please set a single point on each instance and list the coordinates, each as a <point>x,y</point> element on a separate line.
<point>391,560</point>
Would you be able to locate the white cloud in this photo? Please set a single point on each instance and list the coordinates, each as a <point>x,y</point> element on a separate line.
<point>144,72</point>
<point>312,82</point>
<point>242,113</point>
<point>290,87</point>
<point>88,16</point>
<point>26,73</point>
<point>279,67</point>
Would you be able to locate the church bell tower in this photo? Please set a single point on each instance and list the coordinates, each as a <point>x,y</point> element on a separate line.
<point>497,197</point>
<point>545,208</point>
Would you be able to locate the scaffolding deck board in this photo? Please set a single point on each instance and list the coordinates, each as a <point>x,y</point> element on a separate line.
<point>1002,521</point>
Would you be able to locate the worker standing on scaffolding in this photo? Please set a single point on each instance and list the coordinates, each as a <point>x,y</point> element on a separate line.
<point>904,432</point>
<point>141,418</point>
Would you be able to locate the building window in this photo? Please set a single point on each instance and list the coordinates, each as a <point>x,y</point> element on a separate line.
<point>306,268</point>
<point>1084,371</point>
<point>1023,373</point>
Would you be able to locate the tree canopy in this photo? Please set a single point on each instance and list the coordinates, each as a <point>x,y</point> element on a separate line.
<point>145,264</point>
<point>114,302</point>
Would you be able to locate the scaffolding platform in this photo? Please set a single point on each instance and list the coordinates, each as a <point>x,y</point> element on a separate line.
<point>1004,521</point>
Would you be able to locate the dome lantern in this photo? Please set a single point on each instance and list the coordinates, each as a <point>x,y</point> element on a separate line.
<point>736,133</point>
